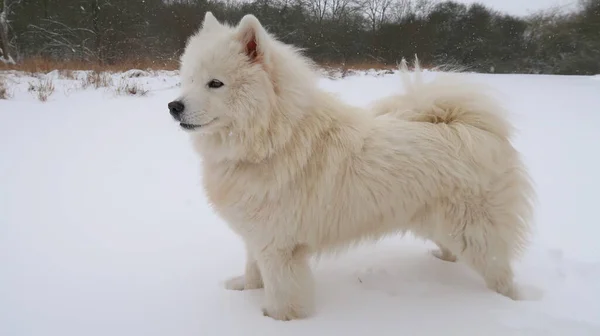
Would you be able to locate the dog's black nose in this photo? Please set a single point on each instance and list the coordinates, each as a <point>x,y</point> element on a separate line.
<point>176,108</point>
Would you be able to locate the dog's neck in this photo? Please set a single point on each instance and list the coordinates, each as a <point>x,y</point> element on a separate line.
<point>256,143</point>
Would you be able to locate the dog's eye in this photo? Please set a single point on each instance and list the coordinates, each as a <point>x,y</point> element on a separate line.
<point>215,84</point>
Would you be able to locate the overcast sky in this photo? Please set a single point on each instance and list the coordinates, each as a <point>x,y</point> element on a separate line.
<point>523,7</point>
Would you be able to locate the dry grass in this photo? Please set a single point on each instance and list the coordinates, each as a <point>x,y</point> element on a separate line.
<point>100,74</point>
<point>337,70</point>
<point>362,66</point>
<point>67,74</point>
<point>37,65</point>
<point>358,66</point>
<point>42,88</point>
<point>130,88</point>
<point>96,80</point>
<point>4,94</point>
<point>66,68</point>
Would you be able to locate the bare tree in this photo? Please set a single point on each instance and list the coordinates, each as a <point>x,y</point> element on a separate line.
<point>377,11</point>
<point>58,36</point>
<point>330,31</point>
<point>5,51</point>
<point>400,9</point>
<point>333,10</point>
<point>340,8</point>
<point>317,8</point>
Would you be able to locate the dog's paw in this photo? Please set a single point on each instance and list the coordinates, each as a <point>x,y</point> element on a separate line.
<point>287,313</point>
<point>510,292</point>
<point>239,283</point>
<point>444,255</point>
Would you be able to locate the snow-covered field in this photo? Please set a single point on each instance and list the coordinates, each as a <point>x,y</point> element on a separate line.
<point>105,230</point>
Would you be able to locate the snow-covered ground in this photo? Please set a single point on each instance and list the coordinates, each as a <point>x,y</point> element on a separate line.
<point>105,230</point>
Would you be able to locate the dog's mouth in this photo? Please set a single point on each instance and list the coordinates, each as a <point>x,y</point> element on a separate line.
<point>192,127</point>
<point>189,127</point>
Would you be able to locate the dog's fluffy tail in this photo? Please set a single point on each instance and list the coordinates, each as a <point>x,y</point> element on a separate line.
<point>448,98</point>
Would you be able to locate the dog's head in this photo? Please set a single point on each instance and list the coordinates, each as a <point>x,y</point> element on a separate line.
<point>223,76</point>
<point>243,87</point>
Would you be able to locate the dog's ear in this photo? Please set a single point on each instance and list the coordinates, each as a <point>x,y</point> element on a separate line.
<point>210,22</point>
<point>253,37</point>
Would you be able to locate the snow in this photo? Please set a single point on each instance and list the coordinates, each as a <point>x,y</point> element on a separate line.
<point>105,229</point>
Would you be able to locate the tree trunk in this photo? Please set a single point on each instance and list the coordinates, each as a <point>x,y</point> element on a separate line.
<point>4,44</point>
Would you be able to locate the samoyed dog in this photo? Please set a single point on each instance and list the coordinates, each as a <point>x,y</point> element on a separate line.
<point>297,172</point>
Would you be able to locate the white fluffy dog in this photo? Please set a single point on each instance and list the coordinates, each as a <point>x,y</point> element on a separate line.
<point>297,172</point>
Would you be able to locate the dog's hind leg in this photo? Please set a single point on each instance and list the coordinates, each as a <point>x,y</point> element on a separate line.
<point>484,242</point>
<point>494,267</point>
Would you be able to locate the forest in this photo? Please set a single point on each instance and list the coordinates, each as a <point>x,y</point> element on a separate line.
<point>336,32</point>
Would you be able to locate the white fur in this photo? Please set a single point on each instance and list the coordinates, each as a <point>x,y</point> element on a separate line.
<point>297,172</point>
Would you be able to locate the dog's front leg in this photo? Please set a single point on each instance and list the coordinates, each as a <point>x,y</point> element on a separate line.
<point>289,285</point>
<point>251,279</point>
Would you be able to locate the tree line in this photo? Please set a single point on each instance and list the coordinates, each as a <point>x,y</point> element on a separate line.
<point>338,32</point>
